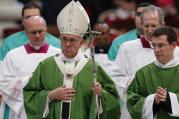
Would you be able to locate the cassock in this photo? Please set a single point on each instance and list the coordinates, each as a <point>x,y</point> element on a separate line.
<point>18,66</point>
<point>50,75</point>
<point>141,92</point>
<point>132,56</point>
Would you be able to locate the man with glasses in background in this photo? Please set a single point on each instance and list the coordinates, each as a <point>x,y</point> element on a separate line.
<point>18,65</point>
<point>154,90</point>
<point>20,38</point>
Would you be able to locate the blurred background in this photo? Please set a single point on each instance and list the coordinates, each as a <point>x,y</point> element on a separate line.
<point>118,14</point>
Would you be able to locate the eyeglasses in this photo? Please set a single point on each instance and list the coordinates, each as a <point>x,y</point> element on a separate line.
<point>159,45</point>
<point>35,32</point>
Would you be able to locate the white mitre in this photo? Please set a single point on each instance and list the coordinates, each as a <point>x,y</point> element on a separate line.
<point>73,19</point>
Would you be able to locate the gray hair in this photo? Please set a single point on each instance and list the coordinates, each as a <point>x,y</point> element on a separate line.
<point>153,8</point>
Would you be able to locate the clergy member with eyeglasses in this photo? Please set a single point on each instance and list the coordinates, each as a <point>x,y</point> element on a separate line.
<point>18,66</point>
<point>153,94</point>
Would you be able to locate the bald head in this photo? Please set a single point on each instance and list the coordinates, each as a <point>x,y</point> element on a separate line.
<point>35,20</point>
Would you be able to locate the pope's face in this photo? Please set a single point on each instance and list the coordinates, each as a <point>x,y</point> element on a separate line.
<point>70,44</point>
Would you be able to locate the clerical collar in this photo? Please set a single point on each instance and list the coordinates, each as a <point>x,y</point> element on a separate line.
<point>79,55</point>
<point>43,49</point>
<point>145,43</point>
<point>170,64</point>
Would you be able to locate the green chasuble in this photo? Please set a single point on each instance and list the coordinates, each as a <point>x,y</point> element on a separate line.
<point>48,77</point>
<point>146,81</point>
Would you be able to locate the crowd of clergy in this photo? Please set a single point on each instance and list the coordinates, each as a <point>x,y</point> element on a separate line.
<point>83,74</point>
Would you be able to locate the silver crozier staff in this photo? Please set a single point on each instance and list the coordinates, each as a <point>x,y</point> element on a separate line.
<point>94,66</point>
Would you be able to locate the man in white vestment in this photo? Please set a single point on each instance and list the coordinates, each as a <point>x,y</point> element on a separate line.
<point>19,65</point>
<point>137,53</point>
<point>153,94</point>
<point>102,44</point>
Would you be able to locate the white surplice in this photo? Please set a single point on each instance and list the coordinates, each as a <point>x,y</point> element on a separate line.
<point>18,67</point>
<point>104,62</point>
<point>131,57</point>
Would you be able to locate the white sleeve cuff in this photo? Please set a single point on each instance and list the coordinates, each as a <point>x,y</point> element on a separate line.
<point>147,110</point>
<point>174,105</point>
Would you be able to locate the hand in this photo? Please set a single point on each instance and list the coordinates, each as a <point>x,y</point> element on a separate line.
<point>161,95</point>
<point>62,93</point>
<point>97,89</point>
